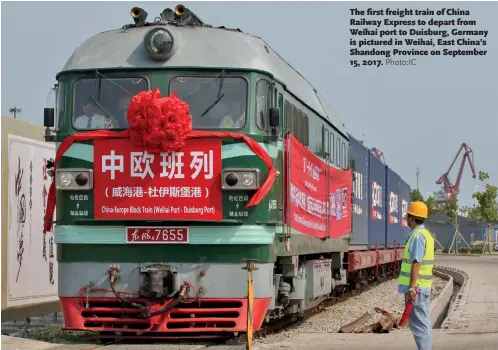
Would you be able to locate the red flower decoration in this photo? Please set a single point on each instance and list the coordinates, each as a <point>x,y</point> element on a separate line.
<point>159,123</point>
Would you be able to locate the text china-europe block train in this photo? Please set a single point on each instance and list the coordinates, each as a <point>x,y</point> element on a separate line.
<point>156,242</point>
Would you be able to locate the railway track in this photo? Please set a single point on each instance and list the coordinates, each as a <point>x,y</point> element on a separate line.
<point>273,327</point>
<point>103,345</point>
<point>297,319</point>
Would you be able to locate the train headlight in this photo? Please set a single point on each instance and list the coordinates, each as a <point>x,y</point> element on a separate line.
<point>240,179</point>
<point>65,179</point>
<point>248,179</point>
<point>159,43</point>
<point>231,179</point>
<point>82,179</point>
<point>74,179</point>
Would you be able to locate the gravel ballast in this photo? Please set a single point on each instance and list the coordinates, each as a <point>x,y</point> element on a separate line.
<point>384,295</point>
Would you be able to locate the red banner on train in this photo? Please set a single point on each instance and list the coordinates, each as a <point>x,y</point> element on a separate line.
<point>131,183</point>
<point>319,202</point>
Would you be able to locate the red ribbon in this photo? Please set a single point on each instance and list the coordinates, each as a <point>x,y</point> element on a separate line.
<point>107,134</point>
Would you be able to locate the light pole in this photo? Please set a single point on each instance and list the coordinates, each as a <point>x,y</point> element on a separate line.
<point>14,110</point>
<point>475,190</point>
<point>418,174</point>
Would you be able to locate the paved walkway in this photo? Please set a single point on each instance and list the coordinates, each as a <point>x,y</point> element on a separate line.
<point>14,343</point>
<point>400,340</point>
<point>480,314</point>
<point>475,329</point>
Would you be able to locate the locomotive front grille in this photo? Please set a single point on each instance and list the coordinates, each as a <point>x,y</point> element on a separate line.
<point>205,314</point>
<point>114,315</point>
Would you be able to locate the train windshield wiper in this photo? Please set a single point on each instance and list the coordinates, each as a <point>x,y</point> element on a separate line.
<point>99,76</point>
<point>100,106</point>
<point>220,95</point>
<point>98,80</point>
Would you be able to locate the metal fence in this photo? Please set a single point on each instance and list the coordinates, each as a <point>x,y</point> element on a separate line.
<point>443,230</point>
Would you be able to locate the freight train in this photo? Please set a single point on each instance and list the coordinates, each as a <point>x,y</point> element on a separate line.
<point>155,243</point>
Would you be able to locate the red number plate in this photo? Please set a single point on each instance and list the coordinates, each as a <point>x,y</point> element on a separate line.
<point>157,235</point>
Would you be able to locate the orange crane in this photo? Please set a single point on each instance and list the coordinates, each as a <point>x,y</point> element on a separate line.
<point>449,190</point>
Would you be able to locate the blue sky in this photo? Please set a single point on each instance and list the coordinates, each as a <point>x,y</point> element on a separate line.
<point>418,116</point>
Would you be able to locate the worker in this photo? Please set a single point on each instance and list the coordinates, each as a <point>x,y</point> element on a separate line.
<point>90,119</point>
<point>235,118</point>
<point>415,279</point>
<point>122,110</point>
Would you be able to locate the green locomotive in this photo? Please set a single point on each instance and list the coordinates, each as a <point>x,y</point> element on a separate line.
<point>233,82</point>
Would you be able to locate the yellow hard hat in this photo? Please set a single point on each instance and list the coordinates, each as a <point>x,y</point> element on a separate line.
<point>418,209</point>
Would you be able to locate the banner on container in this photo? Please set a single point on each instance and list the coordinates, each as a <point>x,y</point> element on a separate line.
<point>182,185</point>
<point>32,254</point>
<point>404,212</point>
<point>394,213</point>
<point>377,201</point>
<point>319,202</point>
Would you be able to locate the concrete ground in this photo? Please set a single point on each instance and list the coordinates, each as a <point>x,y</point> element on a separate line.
<point>393,341</point>
<point>475,328</point>
<point>480,313</point>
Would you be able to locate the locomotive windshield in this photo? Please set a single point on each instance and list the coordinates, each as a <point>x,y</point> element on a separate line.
<point>210,106</point>
<point>103,103</point>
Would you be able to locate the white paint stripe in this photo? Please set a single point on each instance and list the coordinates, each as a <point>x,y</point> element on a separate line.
<point>85,152</point>
<point>80,151</point>
<point>246,234</point>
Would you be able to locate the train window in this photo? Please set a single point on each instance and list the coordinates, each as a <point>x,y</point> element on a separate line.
<point>325,137</point>
<point>351,158</point>
<point>289,118</point>
<point>208,110</point>
<point>344,156</point>
<point>348,158</point>
<point>61,104</point>
<point>331,148</point>
<point>300,126</point>
<point>281,105</point>
<point>103,103</point>
<point>281,108</point>
<point>263,102</point>
<point>288,115</point>
<point>294,123</point>
<point>337,151</point>
<point>306,130</point>
<point>297,125</point>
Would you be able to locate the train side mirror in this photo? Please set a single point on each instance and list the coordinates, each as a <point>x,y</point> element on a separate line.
<point>48,117</point>
<point>274,117</point>
<point>274,120</point>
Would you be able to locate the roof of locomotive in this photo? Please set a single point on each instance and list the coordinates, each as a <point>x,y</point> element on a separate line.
<point>198,47</point>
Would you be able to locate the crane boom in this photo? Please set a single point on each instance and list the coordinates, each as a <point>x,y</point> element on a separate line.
<point>379,155</point>
<point>451,191</point>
